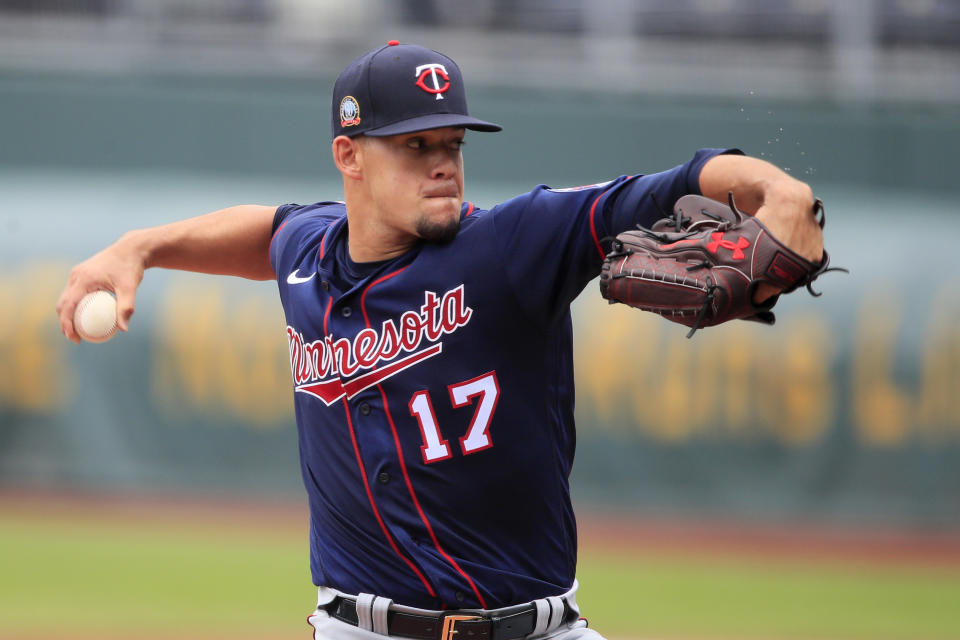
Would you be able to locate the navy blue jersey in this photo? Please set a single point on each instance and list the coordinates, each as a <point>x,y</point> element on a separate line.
<point>434,391</point>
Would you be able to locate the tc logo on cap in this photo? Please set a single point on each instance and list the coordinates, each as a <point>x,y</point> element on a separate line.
<point>349,112</point>
<point>435,72</point>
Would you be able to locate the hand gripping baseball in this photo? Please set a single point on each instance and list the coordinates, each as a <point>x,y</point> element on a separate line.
<point>117,268</point>
<point>702,266</point>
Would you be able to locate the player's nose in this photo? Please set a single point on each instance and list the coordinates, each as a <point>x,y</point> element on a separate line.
<point>444,165</point>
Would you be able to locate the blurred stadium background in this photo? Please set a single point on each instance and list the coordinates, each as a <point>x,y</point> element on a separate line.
<point>834,434</point>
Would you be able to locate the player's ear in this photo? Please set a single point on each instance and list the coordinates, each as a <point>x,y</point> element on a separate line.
<point>348,156</point>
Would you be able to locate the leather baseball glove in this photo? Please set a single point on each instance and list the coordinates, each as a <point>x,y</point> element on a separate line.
<point>701,266</point>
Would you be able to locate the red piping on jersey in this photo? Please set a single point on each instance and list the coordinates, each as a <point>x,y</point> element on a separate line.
<point>323,241</point>
<point>416,503</point>
<point>269,246</point>
<point>470,209</point>
<point>373,505</point>
<point>593,224</point>
<point>363,298</point>
<point>326,315</point>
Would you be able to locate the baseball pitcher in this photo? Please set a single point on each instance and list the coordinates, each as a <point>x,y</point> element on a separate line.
<point>430,342</point>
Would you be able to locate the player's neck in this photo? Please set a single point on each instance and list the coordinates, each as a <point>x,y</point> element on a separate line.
<point>374,234</point>
<point>370,242</point>
<point>360,252</point>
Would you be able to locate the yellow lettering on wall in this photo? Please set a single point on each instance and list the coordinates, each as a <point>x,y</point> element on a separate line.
<point>670,391</point>
<point>938,409</point>
<point>880,406</point>
<point>222,355</point>
<point>604,368</point>
<point>739,380</point>
<point>923,406</point>
<point>806,387</point>
<point>734,352</point>
<point>32,371</point>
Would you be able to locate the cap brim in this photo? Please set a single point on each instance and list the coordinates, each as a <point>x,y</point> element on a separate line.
<point>433,121</point>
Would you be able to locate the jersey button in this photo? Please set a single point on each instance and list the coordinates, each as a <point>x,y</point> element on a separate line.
<point>460,596</point>
<point>346,311</point>
<point>365,409</point>
<point>325,285</point>
<point>383,477</point>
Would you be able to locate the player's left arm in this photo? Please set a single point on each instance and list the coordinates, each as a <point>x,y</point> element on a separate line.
<point>780,201</point>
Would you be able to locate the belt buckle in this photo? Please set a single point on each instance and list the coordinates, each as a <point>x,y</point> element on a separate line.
<point>449,622</point>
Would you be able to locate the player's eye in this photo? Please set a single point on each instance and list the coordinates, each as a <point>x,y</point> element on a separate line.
<point>458,143</point>
<point>415,143</point>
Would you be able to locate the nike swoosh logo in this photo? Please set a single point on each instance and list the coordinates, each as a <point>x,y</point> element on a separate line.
<point>293,278</point>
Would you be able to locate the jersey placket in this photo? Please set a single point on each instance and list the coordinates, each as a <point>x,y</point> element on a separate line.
<point>364,418</point>
<point>384,476</point>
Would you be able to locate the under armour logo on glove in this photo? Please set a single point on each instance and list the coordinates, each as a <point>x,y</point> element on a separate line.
<point>737,249</point>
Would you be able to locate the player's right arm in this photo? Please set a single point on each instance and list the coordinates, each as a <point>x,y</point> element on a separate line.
<point>233,241</point>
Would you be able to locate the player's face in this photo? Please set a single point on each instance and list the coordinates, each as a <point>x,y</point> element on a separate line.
<point>416,181</point>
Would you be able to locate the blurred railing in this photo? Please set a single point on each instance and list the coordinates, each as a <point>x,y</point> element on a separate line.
<point>894,22</point>
<point>865,50</point>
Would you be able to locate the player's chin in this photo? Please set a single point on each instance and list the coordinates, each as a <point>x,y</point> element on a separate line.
<point>439,229</point>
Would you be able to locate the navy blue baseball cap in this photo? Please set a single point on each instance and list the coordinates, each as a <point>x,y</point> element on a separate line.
<point>401,88</point>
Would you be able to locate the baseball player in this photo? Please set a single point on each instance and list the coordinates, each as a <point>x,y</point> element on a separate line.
<point>430,352</point>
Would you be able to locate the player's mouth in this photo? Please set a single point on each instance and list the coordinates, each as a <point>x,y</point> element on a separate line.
<point>443,191</point>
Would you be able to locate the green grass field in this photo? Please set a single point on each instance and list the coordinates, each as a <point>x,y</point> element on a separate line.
<point>110,577</point>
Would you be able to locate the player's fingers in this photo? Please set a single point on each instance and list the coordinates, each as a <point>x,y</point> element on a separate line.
<point>126,305</point>
<point>66,323</point>
<point>67,305</point>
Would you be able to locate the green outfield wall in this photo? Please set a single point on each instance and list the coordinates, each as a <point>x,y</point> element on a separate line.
<point>280,126</point>
<point>845,411</point>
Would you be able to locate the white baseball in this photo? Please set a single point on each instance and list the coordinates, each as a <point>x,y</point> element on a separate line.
<point>96,316</point>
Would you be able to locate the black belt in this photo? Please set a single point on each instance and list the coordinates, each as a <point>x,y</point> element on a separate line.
<point>443,626</point>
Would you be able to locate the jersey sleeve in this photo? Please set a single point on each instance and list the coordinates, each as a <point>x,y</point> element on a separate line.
<point>282,213</point>
<point>553,241</point>
<point>297,228</point>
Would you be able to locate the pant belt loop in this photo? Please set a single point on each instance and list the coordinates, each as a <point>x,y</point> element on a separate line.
<point>364,611</point>
<point>556,612</point>
<point>379,614</point>
<point>543,617</point>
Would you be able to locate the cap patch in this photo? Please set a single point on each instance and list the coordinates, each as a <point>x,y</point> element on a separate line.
<point>433,78</point>
<point>349,112</point>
